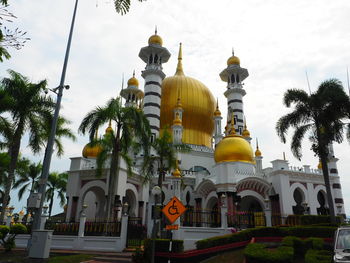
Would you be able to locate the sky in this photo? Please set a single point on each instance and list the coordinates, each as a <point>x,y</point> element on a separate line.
<point>277,41</point>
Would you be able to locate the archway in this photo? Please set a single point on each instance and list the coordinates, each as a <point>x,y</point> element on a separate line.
<point>322,200</point>
<point>95,200</point>
<point>130,198</point>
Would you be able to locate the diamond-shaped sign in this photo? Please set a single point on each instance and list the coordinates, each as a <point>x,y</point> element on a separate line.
<point>173,209</point>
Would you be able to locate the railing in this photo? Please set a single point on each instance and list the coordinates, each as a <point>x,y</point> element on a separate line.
<point>246,219</point>
<point>102,228</point>
<point>201,218</point>
<point>60,227</point>
<point>136,232</point>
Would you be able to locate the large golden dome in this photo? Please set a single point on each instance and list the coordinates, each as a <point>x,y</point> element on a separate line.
<point>233,148</point>
<point>197,104</point>
<point>91,151</point>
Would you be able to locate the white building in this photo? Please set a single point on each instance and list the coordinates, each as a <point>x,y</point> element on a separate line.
<point>221,164</point>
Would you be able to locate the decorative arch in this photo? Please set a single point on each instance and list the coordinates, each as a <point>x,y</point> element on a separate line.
<point>301,188</point>
<point>205,188</point>
<point>131,197</point>
<point>210,200</point>
<point>254,184</point>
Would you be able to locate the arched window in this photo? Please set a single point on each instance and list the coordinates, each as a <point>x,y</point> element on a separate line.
<point>298,209</point>
<point>232,78</point>
<point>156,58</point>
<point>150,61</point>
<point>237,78</point>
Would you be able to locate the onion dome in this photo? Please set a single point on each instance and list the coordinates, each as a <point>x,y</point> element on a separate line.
<point>133,81</point>
<point>176,172</point>
<point>155,39</point>
<point>233,60</point>
<point>217,112</point>
<point>245,133</point>
<point>257,152</point>
<point>90,151</point>
<point>233,148</point>
<point>319,166</point>
<point>177,120</point>
<point>197,102</point>
<point>109,129</point>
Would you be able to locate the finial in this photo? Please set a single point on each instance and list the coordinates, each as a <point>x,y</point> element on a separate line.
<point>123,81</point>
<point>257,144</point>
<point>133,74</point>
<point>217,103</point>
<point>284,156</point>
<point>233,130</point>
<point>179,69</point>
<point>155,31</point>
<point>233,52</point>
<point>178,103</point>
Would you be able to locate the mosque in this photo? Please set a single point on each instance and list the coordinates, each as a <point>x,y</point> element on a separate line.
<point>220,165</point>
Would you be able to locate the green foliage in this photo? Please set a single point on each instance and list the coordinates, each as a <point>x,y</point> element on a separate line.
<point>245,235</point>
<point>70,259</point>
<point>257,253</point>
<point>317,219</point>
<point>318,256</point>
<point>8,235</point>
<point>122,6</point>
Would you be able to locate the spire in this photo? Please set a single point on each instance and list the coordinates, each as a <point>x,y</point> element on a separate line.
<point>133,74</point>
<point>233,51</point>
<point>257,152</point>
<point>155,30</point>
<point>217,111</point>
<point>245,132</point>
<point>178,103</point>
<point>179,69</point>
<point>177,172</point>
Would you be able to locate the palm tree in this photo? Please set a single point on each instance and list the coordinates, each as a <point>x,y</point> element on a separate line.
<point>165,157</point>
<point>122,6</point>
<point>321,115</point>
<point>27,104</point>
<point>28,178</point>
<point>130,124</point>
<point>57,182</point>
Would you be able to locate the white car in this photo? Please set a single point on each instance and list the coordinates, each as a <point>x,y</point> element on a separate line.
<point>342,245</point>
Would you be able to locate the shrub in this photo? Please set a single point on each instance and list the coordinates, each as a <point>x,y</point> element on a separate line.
<point>317,219</point>
<point>318,256</point>
<point>257,253</point>
<point>8,235</point>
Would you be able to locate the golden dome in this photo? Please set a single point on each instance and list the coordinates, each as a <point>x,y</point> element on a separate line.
<point>21,213</point>
<point>91,151</point>
<point>197,104</point>
<point>233,148</point>
<point>177,120</point>
<point>257,152</point>
<point>155,39</point>
<point>319,166</point>
<point>245,133</point>
<point>109,129</point>
<point>233,60</point>
<point>176,173</point>
<point>133,81</point>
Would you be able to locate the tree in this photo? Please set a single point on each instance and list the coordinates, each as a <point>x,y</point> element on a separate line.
<point>165,157</point>
<point>28,178</point>
<point>27,105</point>
<point>57,182</point>
<point>123,6</point>
<point>130,124</point>
<point>320,115</point>
<point>9,38</point>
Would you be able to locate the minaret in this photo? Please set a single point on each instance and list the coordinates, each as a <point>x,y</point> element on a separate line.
<point>258,159</point>
<point>217,124</point>
<point>234,75</point>
<point>132,94</point>
<point>153,55</point>
<point>177,123</point>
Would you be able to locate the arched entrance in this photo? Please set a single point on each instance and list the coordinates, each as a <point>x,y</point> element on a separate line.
<point>251,212</point>
<point>212,217</point>
<point>130,198</point>
<point>95,200</point>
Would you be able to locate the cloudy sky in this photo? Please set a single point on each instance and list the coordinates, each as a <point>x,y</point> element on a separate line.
<point>277,41</point>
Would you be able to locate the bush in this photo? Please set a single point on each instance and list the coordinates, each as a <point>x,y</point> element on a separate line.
<point>318,256</point>
<point>8,235</point>
<point>257,253</point>
<point>317,219</point>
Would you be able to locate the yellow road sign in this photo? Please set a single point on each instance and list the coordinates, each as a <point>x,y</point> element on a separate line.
<point>173,209</point>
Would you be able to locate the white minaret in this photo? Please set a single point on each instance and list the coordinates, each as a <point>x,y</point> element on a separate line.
<point>217,124</point>
<point>258,159</point>
<point>132,94</point>
<point>234,75</point>
<point>153,55</point>
<point>177,127</point>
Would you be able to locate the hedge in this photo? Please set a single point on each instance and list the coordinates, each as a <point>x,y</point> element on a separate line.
<point>302,246</point>
<point>302,231</point>
<point>257,253</point>
<point>318,256</point>
<point>161,245</point>
<point>317,219</point>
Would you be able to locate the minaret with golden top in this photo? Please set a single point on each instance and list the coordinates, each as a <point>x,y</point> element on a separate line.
<point>217,122</point>
<point>153,55</point>
<point>132,94</point>
<point>177,127</point>
<point>234,75</point>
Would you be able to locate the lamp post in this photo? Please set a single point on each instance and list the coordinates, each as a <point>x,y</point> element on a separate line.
<point>156,191</point>
<point>50,142</point>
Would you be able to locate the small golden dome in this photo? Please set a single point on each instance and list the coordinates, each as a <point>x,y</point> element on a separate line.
<point>177,120</point>
<point>21,213</point>
<point>217,112</point>
<point>257,152</point>
<point>233,148</point>
<point>91,151</point>
<point>178,103</point>
<point>155,39</point>
<point>233,60</point>
<point>133,81</point>
<point>176,172</point>
<point>109,129</point>
<point>245,133</point>
<point>319,166</point>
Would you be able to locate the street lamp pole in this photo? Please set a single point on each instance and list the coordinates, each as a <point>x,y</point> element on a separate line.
<point>50,142</point>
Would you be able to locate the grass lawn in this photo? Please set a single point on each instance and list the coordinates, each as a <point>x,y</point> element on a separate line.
<point>20,257</point>
<point>235,256</point>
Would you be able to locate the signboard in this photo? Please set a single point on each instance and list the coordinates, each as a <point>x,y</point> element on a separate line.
<point>173,209</point>
<point>172,227</point>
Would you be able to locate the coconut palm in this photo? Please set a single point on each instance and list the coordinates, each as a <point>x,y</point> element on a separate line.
<point>28,179</point>
<point>320,115</point>
<point>122,6</point>
<point>130,124</point>
<point>57,182</point>
<point>27,104</point>
<point>164,158</point>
